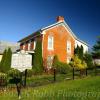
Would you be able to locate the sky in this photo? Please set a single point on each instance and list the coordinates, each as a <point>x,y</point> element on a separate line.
<point>19,18</point>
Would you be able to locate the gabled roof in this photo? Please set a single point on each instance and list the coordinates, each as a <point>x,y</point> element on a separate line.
<point>70,31</point>
<point>37,33</point>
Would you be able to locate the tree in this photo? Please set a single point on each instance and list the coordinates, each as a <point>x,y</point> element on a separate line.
<point>2,64</point>
<point>88,59</point>
<point>76,50</point>
<point>6,60</point>
<point>77,63</point>
<point>96,49</point>
<point>37,60</point>
<point>79,51</point>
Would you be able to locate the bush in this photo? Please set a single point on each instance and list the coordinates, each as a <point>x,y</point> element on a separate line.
<point>30,72</point>
<point>6,60</point>
<point>3,75</point>
<point>3,79</point>
<point>13,73</point>
<point>63,68</point>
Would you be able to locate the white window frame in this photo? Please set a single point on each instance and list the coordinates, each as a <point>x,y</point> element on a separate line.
<point>24,46</point>
<point>34,45</point>
<point>49,61</point>
<point>68,46</point>
<point>29,45</point>
<point>68,59</point>
<point>50,40</point>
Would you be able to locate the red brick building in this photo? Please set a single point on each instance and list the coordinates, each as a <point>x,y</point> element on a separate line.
<point>57,39</point>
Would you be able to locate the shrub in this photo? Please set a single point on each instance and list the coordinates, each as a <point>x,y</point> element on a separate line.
<point>3,79</point>
<point>55,61</point>
<point>13,73</point>
<point>3,75</point>
<point>30,72</point>
<point>63,68</point>
<point>88,59</point>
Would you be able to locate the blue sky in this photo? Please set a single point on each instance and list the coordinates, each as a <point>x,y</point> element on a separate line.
<point>19,18</point>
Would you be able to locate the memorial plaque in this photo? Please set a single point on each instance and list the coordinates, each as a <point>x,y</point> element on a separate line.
<point>21,61</point>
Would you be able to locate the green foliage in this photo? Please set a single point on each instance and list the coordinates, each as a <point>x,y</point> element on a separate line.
<point>62,68</point>
<point>79,51</point>
<point>88,59</point>
<point>13,73</point>
<point>55,61</point>
<point>6,60</point>
<point>3,61</point>
<point>84,89</point>
<point>96,49</point>
<point>37,60</point>
<point>3,75</point>
<point>3,79</point>
<point>30,72</point>
<point>78,63</point>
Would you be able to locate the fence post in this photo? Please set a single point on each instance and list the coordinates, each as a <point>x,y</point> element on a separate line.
<point>86,71</point>
<point>25,77</point>
<point>95,71</point>
<point>73,73</point>
<point>54,74</point>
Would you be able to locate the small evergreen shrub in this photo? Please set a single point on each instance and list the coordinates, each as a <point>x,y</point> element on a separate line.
<point>37,60</point>
<point>5,64</point>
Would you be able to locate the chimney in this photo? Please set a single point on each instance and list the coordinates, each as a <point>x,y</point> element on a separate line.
<point>60,19</point>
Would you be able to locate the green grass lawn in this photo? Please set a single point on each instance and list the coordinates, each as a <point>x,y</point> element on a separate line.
<point>80,89</point>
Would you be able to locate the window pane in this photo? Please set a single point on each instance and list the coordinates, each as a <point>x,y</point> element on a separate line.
<point>50,42</point>
<point>68,46</point>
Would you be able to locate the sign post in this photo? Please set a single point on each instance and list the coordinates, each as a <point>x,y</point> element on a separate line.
<point>25,78</point>
<point>21,61</point>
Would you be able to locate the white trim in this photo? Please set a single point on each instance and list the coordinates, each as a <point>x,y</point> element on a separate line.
<point>24,45</point>
<point>63,23</point>
<point>43,32</point>
<point>29,45</point>
<point>34,44</point>
<point>68,31</point>
<point>51,26</point>
<point>68,46</point>
<point>68,59</point>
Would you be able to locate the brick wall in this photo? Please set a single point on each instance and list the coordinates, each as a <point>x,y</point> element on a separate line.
<point>61,35</point>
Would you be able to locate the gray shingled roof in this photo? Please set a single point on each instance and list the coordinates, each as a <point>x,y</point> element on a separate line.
<point>4,45</point>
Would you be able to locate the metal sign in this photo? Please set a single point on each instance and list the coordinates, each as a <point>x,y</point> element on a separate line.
<point>97,61</point>
<point>21,61</point>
